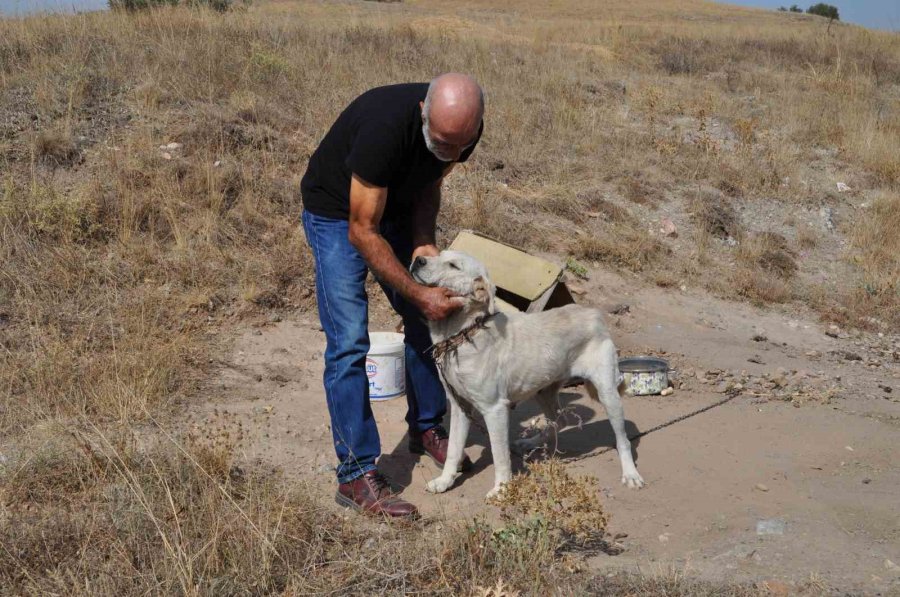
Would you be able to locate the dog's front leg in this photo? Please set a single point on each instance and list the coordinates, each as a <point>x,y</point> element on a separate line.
<point>497,421</point>
<point>459,431</point>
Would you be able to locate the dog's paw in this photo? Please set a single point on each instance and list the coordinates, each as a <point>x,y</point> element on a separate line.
<point>633,480</point>
<point>495,492</point>
<point>439,484</point>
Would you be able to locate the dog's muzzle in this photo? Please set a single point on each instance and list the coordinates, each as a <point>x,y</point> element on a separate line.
<point>415,266</point>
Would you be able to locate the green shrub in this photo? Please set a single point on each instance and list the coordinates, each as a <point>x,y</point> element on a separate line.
<point>824,10</point>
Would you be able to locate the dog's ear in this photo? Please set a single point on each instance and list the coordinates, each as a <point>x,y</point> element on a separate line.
<point>482,292</point>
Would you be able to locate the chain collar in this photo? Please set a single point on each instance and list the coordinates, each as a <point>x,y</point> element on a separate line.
<point>440,349</point>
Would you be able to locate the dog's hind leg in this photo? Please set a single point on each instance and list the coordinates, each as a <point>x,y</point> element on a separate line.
<point>548,398</point>
<point>459,431</point>
<point>602,385</point>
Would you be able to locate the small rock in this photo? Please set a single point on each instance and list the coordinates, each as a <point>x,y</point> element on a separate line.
<point>772,526</point>
<point>166,155</point>
<point>849,356</point>
<point>731,242</point>
<point>723,387</point>
<point>593,214</point>
<point>885,389</point>
<point>848,448</point>
<point>889,565</point>
<point>620,309</point>
<point>761,487</point>
<point>664,538</point>
<point>842,187</point>
<point>174,146</point>
<point>217,163</point>
<point>326,468</point>
<point>667,392</point>
<point>866,481</point>
<point>828,218</point>
<point>268,409</point>
<point>258,377</point>
<point>759,338</point>
<point>274,318</point>
<point>576,289</point>
<point>667,228</point>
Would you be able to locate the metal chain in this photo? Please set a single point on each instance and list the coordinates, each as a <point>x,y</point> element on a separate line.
<point>469,410</point>
<point>678,419</point>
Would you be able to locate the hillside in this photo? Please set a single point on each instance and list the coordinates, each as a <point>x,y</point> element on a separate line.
<point>150,166</point>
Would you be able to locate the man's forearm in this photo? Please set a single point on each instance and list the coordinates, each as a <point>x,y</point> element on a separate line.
<point>381,259</point>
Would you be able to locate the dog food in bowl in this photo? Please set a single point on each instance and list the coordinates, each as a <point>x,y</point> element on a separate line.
<point>644,376</point>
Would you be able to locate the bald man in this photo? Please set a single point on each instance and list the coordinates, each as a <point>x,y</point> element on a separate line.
<point>371,195</point>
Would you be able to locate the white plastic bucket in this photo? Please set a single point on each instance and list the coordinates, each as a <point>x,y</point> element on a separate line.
<point>386,365</point>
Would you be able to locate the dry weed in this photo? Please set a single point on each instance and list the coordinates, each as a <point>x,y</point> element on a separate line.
<point>548,500</point>
<point>56,148</point>
<point>620,246</point>
<point>769,252</point>
<point>713,215</point>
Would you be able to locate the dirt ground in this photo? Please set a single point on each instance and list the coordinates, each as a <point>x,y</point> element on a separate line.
<point>825,463</point>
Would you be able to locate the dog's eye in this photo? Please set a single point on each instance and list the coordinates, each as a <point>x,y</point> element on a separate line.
<point>453,265</point>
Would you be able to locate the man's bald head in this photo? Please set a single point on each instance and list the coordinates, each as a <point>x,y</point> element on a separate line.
<point>451,115</point>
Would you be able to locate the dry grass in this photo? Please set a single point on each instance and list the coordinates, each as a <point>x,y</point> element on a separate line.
<point>714,216</point>
<point>877,252</point>
<point>121,263</point>
<point>56,148</point>
<point>90,511</point>
<point>621,246</point>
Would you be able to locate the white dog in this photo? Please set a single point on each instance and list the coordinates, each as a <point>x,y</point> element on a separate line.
<point>493,360</point>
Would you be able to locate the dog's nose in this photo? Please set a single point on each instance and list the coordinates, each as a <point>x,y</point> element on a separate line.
<point>419,262</point>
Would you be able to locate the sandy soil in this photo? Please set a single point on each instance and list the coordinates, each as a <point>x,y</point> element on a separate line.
<point>826,464</point>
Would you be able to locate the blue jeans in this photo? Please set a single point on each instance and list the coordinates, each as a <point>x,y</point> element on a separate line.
<point>344,313</point>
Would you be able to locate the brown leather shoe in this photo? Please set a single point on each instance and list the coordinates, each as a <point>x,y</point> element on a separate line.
<point>371,493</point>
<point>434,442</point>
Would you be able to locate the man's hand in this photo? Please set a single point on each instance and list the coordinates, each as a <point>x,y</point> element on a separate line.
<point>438,303</point>
<point>425,251</point>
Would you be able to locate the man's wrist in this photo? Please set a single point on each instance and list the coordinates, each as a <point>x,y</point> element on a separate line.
<point>414,293</point>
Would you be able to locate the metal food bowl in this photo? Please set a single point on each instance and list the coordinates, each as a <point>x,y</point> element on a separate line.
<point>644,376</point>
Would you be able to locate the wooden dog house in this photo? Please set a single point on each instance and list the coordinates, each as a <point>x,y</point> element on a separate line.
<point>524,282</point>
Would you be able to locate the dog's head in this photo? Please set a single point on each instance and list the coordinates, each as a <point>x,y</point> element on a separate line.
<point>461,273</point>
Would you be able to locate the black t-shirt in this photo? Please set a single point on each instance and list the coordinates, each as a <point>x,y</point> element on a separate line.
<point>379,138</point>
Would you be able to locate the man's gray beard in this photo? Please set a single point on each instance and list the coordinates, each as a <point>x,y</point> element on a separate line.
<point>430,145</point>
